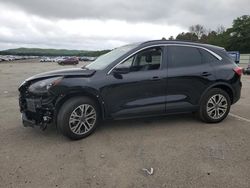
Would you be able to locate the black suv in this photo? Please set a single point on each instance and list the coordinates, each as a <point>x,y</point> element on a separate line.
<point>143,79</point>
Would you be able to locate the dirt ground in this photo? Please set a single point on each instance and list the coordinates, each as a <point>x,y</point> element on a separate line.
<point>182,151</point>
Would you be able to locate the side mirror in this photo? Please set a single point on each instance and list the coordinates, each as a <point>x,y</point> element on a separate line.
<point>122,70</point>
<point>118,72</point>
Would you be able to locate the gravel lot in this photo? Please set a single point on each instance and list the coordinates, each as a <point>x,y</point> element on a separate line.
<point>182,151</point>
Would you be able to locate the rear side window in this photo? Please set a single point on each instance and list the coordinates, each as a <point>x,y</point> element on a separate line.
<point>180,56</point>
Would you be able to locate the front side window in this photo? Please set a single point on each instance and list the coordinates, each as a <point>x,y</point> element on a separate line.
<point>149,59</point>
<point>181,56</point>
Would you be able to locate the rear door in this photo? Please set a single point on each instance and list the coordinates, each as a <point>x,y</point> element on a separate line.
<point>188,77</point>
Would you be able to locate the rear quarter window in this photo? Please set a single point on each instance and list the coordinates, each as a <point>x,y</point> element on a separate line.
<point>208,57</point>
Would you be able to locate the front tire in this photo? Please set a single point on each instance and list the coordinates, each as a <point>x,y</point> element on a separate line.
<point>78,118</point>
<point>215,106</point>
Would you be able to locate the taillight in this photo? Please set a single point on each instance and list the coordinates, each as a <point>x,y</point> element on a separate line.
<point>238,70</point>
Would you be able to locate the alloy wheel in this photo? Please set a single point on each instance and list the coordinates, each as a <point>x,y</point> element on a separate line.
<point>217,106</point>
<point>82,119</point>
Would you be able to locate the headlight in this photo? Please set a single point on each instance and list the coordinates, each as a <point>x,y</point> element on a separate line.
<point>43,86</point>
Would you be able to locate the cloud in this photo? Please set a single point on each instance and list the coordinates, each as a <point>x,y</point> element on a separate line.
<point>19,28</point>
<point>178,12</point>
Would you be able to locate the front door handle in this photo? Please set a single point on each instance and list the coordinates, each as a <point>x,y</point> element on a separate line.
<point>205,74</point>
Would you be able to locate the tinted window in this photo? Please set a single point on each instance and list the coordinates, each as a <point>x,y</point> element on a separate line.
<point>180,56</point>
<point>208,57</point>
<point>149,59</point>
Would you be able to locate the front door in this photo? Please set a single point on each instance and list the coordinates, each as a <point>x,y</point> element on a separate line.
<point>137,86</point>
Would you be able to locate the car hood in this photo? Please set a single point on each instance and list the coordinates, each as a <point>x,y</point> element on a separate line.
<point>73,72</point>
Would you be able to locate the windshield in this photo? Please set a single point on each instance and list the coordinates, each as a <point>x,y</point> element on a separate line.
<point>103,61</point>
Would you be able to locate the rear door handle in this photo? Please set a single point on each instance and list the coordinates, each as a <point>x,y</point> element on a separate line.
<point>156,78</point>
<point>205,74</point>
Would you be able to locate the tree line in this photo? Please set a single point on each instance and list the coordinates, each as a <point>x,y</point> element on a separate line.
<point>235,38</point>
<point>52,52</point>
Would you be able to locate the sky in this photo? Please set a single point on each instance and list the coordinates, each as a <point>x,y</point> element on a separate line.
<point>106,24</point>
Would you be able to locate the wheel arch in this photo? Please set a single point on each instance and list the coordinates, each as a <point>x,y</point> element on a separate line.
<point>221,85</point>
<point>90,93</point>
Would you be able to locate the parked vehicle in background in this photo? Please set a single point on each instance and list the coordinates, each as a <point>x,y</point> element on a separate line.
<point>235,55</point>
<point>68,61</point>
<point>8,58</point>
<point>142,79</point>
<point>15,57</point>
<point>60,58</point>
<point>83,59</point>
<point>46,59</point>
<point>1,59</point>
<point>247,70</point>
<point>86,58</point>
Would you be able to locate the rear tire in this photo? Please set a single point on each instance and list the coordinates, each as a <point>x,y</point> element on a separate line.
<point>78,118</point>
<point>215,106</point>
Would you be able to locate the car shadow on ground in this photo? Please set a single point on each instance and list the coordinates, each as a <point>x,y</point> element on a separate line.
<point>107,127</point>
<point>147,122</point>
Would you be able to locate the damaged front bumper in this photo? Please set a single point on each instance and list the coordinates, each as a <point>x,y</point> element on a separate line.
<point>26,122</point>
<point>35,110</point>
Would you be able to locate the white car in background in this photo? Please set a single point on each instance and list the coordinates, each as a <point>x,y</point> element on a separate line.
<point>46,59</point>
